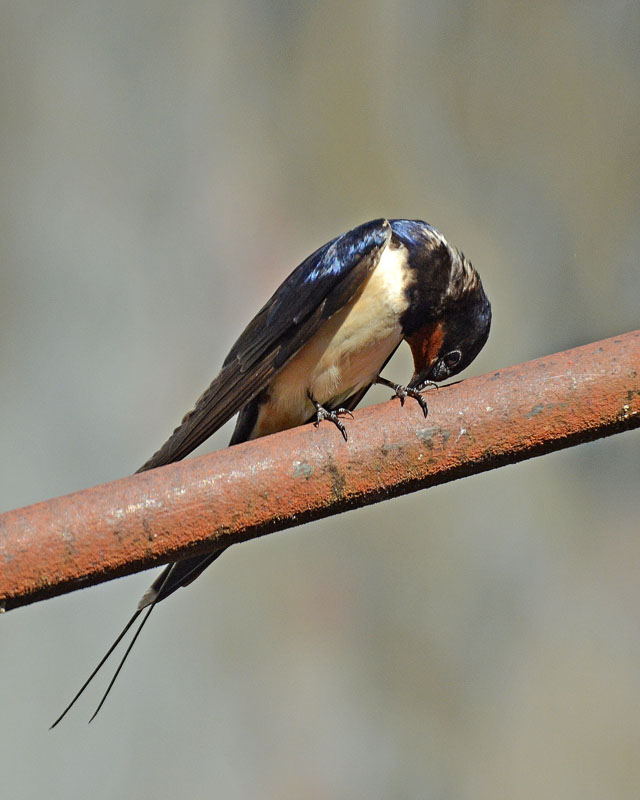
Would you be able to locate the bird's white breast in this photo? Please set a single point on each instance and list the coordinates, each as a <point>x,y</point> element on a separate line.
<point>347,352</point>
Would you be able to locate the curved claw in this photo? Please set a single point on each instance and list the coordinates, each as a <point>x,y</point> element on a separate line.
<point>333,416</point>
<point>403,392</point>
<point>428,385</point>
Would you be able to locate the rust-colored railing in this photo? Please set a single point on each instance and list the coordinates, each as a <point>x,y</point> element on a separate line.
<point>307,473</point>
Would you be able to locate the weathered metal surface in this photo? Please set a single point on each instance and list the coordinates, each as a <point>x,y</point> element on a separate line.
<point>306,473</point>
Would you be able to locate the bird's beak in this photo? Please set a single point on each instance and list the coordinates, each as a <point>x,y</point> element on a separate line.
<point>435,372</point>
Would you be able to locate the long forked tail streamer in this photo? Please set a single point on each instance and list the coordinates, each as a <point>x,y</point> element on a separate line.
<point>97,669</point>
<point>120,637</point>
<point>124,658</point>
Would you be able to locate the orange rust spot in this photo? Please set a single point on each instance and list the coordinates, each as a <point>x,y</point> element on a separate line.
<point>425,345</point>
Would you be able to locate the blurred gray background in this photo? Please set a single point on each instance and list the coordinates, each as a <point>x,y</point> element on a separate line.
<point>163,167</point>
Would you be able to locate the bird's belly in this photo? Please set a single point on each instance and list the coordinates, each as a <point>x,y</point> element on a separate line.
<point>344,355</point>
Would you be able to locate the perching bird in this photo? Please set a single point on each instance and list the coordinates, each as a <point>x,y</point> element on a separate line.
<point>312,352</point>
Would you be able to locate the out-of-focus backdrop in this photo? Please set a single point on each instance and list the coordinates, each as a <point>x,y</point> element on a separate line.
<point>163,167</point>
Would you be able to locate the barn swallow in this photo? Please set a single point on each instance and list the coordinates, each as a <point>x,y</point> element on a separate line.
<point>314,349</point>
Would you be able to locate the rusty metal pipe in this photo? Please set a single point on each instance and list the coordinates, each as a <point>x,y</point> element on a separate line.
<point>290,478</point>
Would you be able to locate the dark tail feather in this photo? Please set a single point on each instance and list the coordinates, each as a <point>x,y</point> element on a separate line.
<point>171,578</point>
<point>97,669</point>
<point>175,575</point>
<point>124,657</point>
<point>164,575</point>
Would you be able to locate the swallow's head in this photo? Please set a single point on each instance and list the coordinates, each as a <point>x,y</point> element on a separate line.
<point>445,347</point>
<point>448,316</point>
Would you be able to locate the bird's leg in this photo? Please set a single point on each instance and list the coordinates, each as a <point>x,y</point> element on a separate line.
<point>332,416</point>
<point>406,391</point>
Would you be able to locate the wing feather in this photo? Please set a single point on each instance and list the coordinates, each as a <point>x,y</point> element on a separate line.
<point>321,285</point>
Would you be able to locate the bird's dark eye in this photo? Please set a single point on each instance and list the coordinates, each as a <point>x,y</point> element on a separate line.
<point>452,358</point>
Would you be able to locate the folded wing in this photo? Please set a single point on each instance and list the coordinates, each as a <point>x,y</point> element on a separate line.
<point>321,285</point>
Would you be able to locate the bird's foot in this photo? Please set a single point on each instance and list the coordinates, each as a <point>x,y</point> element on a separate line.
<point>334,415</point>
<point>406,391</point>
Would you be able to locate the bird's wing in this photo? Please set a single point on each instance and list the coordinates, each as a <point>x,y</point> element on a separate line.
<point>321,285</point>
